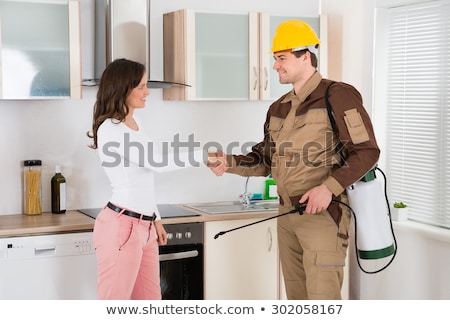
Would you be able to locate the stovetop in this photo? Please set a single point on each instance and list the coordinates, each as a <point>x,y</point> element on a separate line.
<point>172,211</point>
<point>93,213</point>
<point>166,211</point>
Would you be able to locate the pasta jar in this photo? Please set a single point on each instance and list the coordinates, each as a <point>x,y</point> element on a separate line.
<point>32,187</point>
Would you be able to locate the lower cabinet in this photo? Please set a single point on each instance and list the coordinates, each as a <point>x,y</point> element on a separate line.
<point>241,264</point>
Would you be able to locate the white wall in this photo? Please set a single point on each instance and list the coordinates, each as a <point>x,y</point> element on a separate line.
<point>419,271</point>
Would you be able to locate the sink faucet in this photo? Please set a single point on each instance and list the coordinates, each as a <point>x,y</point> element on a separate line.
<point>245,197</point>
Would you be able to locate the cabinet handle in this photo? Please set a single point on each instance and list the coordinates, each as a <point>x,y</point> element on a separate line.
<point>269,234</point>
<point>256,78</point>
<point>266,78</point>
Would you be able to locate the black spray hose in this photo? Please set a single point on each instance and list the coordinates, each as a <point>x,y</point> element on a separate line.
<point>356,233</point>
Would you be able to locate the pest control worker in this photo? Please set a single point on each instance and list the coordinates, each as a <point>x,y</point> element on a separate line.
<point>299,150</point>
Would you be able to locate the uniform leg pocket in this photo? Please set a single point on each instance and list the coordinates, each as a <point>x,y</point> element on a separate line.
<point>330,259</point>
<point>325,277</point>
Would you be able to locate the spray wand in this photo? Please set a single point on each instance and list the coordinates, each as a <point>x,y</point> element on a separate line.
<point>299,208</point>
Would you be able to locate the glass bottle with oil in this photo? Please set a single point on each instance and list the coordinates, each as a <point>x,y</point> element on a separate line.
<point>58,191</point>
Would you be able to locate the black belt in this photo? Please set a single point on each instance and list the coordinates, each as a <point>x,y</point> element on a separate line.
<point>130,213</point>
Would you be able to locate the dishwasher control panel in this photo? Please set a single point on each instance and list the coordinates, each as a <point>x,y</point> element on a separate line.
<point>36,246</point>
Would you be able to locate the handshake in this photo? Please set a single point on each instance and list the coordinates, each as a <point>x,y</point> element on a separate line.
<point>217,162</point>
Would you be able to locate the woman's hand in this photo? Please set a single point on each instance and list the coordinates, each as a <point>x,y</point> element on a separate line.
<point>161,232</point>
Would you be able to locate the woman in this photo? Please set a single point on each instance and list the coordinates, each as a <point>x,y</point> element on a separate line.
<point>128,230</point>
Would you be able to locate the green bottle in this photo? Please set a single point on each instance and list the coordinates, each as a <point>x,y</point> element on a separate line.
<point>271,189</point>
<point>58,190</point>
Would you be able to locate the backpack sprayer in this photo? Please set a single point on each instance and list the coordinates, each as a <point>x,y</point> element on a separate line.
<point>374,233</point>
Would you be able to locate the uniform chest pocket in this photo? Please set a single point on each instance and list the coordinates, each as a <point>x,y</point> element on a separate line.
<point>275,126</point>
<point>311,127</point>
<point>313,117</point>
<point>316,120</point>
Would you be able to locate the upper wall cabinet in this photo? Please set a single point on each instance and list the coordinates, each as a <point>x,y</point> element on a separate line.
<point>224,56</point>
<point>40,55</point>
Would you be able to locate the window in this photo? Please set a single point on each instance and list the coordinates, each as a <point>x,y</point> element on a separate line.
<point>412,82</point>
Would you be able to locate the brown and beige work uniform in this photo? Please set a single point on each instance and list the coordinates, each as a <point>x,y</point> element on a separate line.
<point>299,149</point>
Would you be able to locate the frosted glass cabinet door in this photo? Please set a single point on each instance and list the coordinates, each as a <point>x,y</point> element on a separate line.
<point>222,56</point>
<point>215,53</point>
<point>39,50</point>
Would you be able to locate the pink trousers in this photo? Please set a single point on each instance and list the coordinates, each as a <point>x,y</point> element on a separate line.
<point>127,257</point>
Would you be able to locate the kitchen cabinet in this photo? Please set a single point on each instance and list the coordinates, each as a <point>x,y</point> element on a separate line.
<point>242,264</point>
<point>40,56</point>
<point>225,56</point>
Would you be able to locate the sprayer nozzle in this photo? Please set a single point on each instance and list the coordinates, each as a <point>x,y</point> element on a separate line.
<point>219,234</point>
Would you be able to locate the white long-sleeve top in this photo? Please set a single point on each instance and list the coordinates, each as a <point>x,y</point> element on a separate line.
<point>130,160</point>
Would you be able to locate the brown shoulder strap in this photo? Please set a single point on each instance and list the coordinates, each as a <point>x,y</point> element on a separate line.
<point>333,123</point>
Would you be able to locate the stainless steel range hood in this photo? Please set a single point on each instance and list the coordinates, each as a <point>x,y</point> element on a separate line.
<point>122,31</point>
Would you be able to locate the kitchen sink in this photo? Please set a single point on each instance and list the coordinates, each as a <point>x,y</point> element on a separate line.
<point>266,204</point>
<point>221,207</point>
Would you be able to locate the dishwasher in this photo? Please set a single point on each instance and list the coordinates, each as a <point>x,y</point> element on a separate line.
<point>48,267</point>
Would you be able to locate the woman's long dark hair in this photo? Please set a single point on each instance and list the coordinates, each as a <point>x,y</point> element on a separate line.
<point>118,80</point>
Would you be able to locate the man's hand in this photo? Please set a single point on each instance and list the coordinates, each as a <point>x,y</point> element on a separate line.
<point>217,162</point>
<point>318,198</point>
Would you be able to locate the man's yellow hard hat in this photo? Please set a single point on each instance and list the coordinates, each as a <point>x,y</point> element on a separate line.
<point>296,35</point>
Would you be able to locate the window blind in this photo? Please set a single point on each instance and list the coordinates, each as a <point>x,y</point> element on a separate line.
<point>418,110</point>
